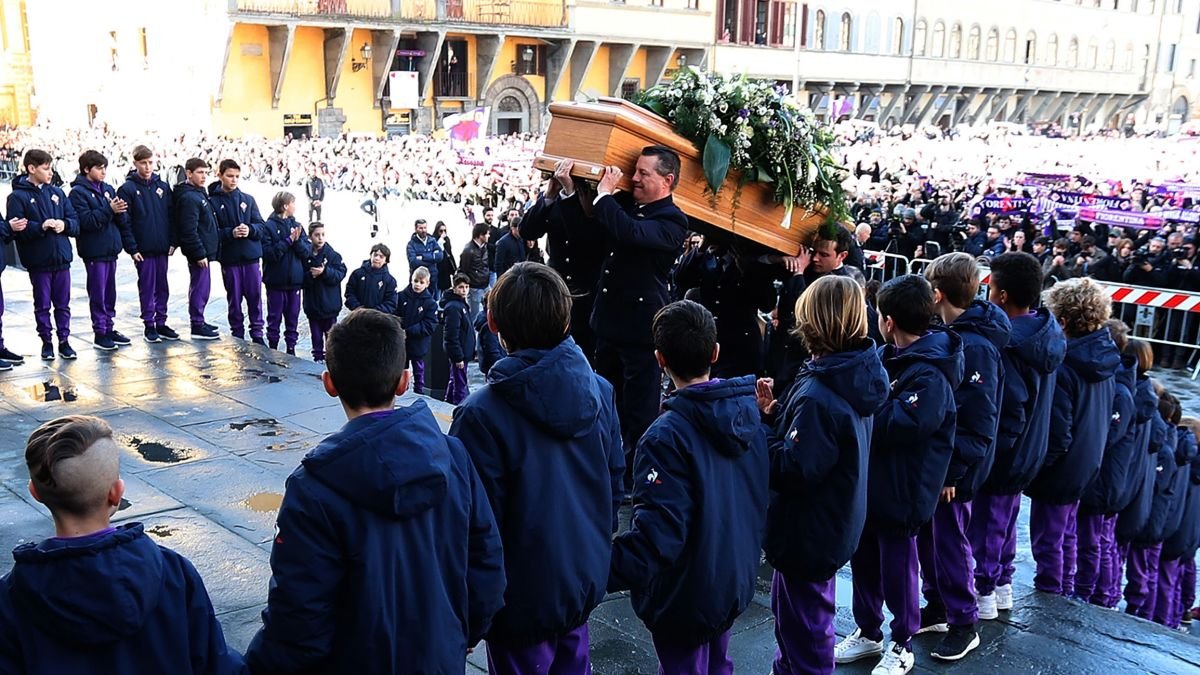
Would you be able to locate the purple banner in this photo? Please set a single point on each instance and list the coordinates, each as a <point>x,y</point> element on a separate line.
<point>1180,215</point>
<point>1085,199</point>
<point>1001,205</point>
<point>1142,221</point>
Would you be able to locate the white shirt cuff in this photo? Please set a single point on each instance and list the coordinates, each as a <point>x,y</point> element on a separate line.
<point>599,196</point>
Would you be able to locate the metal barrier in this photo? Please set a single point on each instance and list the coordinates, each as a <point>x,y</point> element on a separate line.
<point>883,267</point>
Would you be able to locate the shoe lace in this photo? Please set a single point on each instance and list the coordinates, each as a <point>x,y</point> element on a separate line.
<point>891,658</point>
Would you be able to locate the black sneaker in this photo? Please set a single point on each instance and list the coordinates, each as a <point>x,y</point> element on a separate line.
<point>104,343</point>
<point>259,341</point>
<point>119,339</point>
<point>167,333</point>
<point>209,326</point>
<point>958,643</point>
<point>11,358</point>
<point>291,351</point>
<point>274,345</point>
<point>5,365</point>
<point>933,620</point>
<point>151,335</point>
<point>205,333</point>
<point>65,351</point>
<point>47,351</point>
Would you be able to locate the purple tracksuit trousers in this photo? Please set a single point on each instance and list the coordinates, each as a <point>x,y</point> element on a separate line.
<point>1166,606</point>
<point>1,317</point>
<point>418,373</point>
<point>564,655</point>
<point>319,328</point>
<point>199,289</point>
<point>52,288</point>
<point>102,294</point>
<point>244,282</point>
<point>457,389</point>
<point>1052,535</point>
<point>710,658</point>
<point>1141,592</point>
<point>1187,585</point>
<point>1094,562</point>
<point>283,305</point>
<point>152,289</point>
<point>898,587</point>
<point>945,555</point>
<point>993,534</point>
<point>804,637</point>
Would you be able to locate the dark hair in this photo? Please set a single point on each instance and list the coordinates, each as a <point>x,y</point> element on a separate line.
<point>90,159</point>
<point>36,157</point>
<point>668,162</point>
<point>364,354</point>
<point>418,221</point>
<point>1020,275</point>
<point>459,278</point>
<point>685,334</point>
<point>487,210</point>
<point>1169,408</point>
<point>840,239</point>
<point>514,223</point>
<point>227,164</point>
<point>382,248</point>
<point>1044,241</point>
<point>908,300</point>
<point>479,230</point>
<point>314,226</point>
<point>1062,243</point>
<point>53,442</point>
<point>142,152</point>
<point>195,163</point>
<point>439,225</point>
<point>531,306</point>
<point>1088,240</point>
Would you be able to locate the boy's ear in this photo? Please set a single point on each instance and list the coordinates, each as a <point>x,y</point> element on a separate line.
<point>938,297</point>
<point>327,380</point>
<point>115,493</point>
<point>491,323</point>
<point>716,352</point>
<point>662,362</point>
<point>402,385</point>
<point>33,493</point>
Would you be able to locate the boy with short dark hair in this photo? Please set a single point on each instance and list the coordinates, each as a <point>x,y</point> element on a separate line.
<point>691,555</point>
<point>387,557</point>
<point>198,237</point>
<point>458,337</point>
<point>544,436</point>
<point>911,447</point>
<point>103,233</point>
<point>97,598</point>
<point>322,288</point>
<point>152,243</point>
<point>243,237</point>
<point>372,286</point>
<point>418,314</point>
<point>42,219</point>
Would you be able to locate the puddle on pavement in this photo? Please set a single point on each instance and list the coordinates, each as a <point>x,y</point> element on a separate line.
<point>161,531</point>
<point>125,503</point>
<point>271,379</point>
<point>264,422</point>
<point>276,447</point>
<point>48,391</point>
<point>263,502</point>
<point>159,452</point>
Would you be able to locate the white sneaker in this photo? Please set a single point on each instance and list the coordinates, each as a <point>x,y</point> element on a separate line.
<point>854,647</point>
<point>896,661</point>
<point>1004,597</point>
<point>987,607</point>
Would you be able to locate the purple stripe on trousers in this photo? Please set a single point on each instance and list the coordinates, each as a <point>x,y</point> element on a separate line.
<point>945,555</point>
<point>52,288</point>
<point>244,282</point>
<point>564,655</point>
<point>804,614</point>
<point>102,294</point>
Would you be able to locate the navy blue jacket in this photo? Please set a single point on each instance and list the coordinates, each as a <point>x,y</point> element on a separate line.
<point>387,558</point>
<point>233,209</point>
<point>544,437</point>
<point>691,555</point>
<point>1166,472</point>
<point>418,314</point>
<point>102,233</point>
<point>323,295</point>
<point>819,455</point>
<point>913,436</point>
<point>643,242</point>
<point>426,255</point>
<point>510,250</point>
<point>1035,350</point>
<point>110,603</point>
<point>283,259</point>
<point>1183,542</point>
<point>1185,452</point>
<point>985,331</point>
<point>575,245</point>
<point>42,250</point>
<point>149,214</point>
<point>1110,493</point>
<point>1079,419</point>
<point>195,224</point>
<point>458,334</point>
<point>1140,488</point>
<point>371,288</point>
<point>490,349</point>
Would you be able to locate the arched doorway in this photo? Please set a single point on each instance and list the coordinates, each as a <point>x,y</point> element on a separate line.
<point>515,106</point>
<point>1179,115</point>
<point>510,117</point>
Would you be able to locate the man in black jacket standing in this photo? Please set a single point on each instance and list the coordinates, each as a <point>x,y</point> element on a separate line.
<point>473,262</point>
<point>315,189</point>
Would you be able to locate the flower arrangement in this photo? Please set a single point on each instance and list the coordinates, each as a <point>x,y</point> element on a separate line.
<point>757,129</point>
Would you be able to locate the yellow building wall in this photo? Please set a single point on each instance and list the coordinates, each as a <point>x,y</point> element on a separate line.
<point>563,91</point>
<point>637,68</point>
<point>356,91</point>
<point>595,81</point>
<point>246,90</point>
<point>509,52</point>
<point>304,79</point>
<point>16,73</point>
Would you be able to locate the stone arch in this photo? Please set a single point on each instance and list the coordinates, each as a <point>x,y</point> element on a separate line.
<point>511,97</point>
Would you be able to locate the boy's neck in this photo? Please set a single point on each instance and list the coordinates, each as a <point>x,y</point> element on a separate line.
<point>355,413</point>
<point>949,313</point>
<point>69,527</point>
<point>681,383</point>
<point>904,340</point>
<point>478,242</point>
<point>1012,311</point>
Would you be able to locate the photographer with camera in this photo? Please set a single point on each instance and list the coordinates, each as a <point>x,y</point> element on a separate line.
<point>905,236</point>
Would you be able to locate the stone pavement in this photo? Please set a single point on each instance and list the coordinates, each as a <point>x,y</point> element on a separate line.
<point>211,431</point>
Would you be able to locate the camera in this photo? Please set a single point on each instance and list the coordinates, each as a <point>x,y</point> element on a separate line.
<point>1180,253</point>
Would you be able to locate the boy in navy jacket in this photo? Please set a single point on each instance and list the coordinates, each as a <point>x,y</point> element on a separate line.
<point>324,271</point>
<point>819,448</point>
<point>458,337</point>
<point>543,435</point>
<point>1181,542</point>
<point>1079,423</point>
<point>97,598</point>
<point>372,286</point>
<point>1140,482</point>
<point>911,447</point>
<point>489,347</point>
<point>150,224</point>
<point>387,557</point>
<point>285,249</point>
<point>1030,362</point>
<point>196,231</point>
<point>242,237</point>
<point>942,545</point>
<point>1145,547</point>
<point>418,314</point>
<point>42,220</point>
<point>691,555</point>
<point>103,233</point>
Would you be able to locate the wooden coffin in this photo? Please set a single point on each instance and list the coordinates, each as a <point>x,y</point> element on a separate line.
<point>613,132</point>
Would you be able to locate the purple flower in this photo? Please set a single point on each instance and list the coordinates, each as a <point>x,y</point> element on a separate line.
<point>744,114</point>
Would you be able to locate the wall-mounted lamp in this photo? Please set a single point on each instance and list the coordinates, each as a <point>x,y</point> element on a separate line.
<point>527,56</point>
<point>356,65</point>
<point>682,61</point>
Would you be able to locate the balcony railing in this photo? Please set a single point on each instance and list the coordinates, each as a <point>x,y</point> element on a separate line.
<point>359,9</point>
<point>453,85</point>
<point>537,13</point>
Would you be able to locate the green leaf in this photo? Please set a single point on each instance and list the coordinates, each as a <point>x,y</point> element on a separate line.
<point>656,106</point>
<point>716,162</point>
<point>763,176</point>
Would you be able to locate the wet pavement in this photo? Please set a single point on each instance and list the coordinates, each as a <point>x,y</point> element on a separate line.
<point>211,431</point>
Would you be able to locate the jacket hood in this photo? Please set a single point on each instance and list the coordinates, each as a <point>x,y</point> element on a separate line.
<point>449,297</point>
<point>940,348</point>
<point>1093,356</point>
<point>133,176</point>
<point>553,388</point>
<point>988,321</point>
<point>82,180</point>
<point>1127,372</point>
<point>21,182</point>
<point>1185,447</point>
<point>857,376</point>
<point>722,411</point>
<point>215,190</point>
<point>395,464</point>
<point>1037,341</point>
<point>185,187</point>
<point>54,584</point>
<point>1145,400</point>
<point>366,267</point>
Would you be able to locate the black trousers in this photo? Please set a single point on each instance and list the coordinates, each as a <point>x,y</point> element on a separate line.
<point>637,382</point>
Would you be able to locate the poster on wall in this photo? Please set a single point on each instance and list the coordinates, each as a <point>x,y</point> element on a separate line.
<point>403,91</point>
